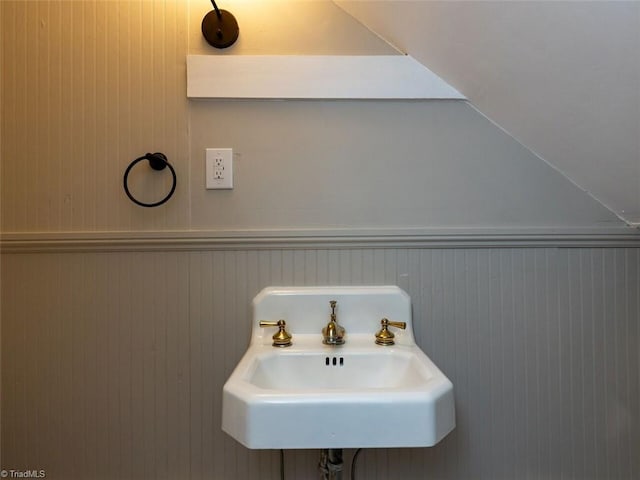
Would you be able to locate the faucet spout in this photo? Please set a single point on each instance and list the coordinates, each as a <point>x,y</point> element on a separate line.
<point>333,333</point>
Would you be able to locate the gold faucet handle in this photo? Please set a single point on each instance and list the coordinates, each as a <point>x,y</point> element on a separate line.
<point>384,336</point>
<point>281,338</point>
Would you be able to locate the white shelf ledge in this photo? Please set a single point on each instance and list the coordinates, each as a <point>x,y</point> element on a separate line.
<point>314,77</point>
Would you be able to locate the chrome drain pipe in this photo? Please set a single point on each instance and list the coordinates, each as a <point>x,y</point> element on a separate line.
<point>330,465</point>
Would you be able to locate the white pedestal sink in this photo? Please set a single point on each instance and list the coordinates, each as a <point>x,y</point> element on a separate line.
<point>359,394</point>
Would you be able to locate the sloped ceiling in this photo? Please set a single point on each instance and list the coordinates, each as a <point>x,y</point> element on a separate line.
<point>563,78</point>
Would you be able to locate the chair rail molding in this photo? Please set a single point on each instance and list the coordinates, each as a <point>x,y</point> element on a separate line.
<point>36,242</point>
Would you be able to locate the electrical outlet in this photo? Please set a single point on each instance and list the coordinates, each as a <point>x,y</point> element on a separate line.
<point>219,168</point>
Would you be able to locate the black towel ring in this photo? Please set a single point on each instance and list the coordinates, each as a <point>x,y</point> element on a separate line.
<point>157,161</point>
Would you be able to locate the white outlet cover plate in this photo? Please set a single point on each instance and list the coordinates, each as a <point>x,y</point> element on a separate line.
<point>219,168</point>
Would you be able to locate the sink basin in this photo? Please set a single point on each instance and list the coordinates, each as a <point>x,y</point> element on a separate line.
<point>313,371</point>
<point>359,394</point>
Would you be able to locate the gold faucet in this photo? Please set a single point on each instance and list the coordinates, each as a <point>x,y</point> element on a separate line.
<point>333,334</point>
<point>384,336</point>
<point>281,338</point>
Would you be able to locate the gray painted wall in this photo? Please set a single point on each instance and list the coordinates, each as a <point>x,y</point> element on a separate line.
<point>110,365</point>
<point>377,164</point>
<point>113,363</point>
<point>561,77</point>
<point>78,110</point>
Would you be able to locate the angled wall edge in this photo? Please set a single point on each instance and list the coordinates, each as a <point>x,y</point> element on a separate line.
<point>314,77</point>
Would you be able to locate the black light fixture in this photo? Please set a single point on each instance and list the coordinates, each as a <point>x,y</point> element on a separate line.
<point>219,27</point>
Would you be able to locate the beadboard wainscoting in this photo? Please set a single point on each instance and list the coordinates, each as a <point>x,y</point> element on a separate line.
<point>119,325</point>
<point>113,362</point>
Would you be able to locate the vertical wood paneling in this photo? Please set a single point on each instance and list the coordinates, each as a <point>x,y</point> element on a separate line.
<point>87,87</point>
<point>632,280</point>
<point>90,85</point>
<point>113,363</point>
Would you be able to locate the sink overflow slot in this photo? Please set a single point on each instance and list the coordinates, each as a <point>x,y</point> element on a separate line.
<point>334,361</point>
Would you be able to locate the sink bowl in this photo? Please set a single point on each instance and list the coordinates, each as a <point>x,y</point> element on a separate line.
<point>359,394</point>
<point>355,369</point>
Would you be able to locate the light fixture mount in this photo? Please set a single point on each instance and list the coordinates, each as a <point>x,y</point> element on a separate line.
<point>220,28</point>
